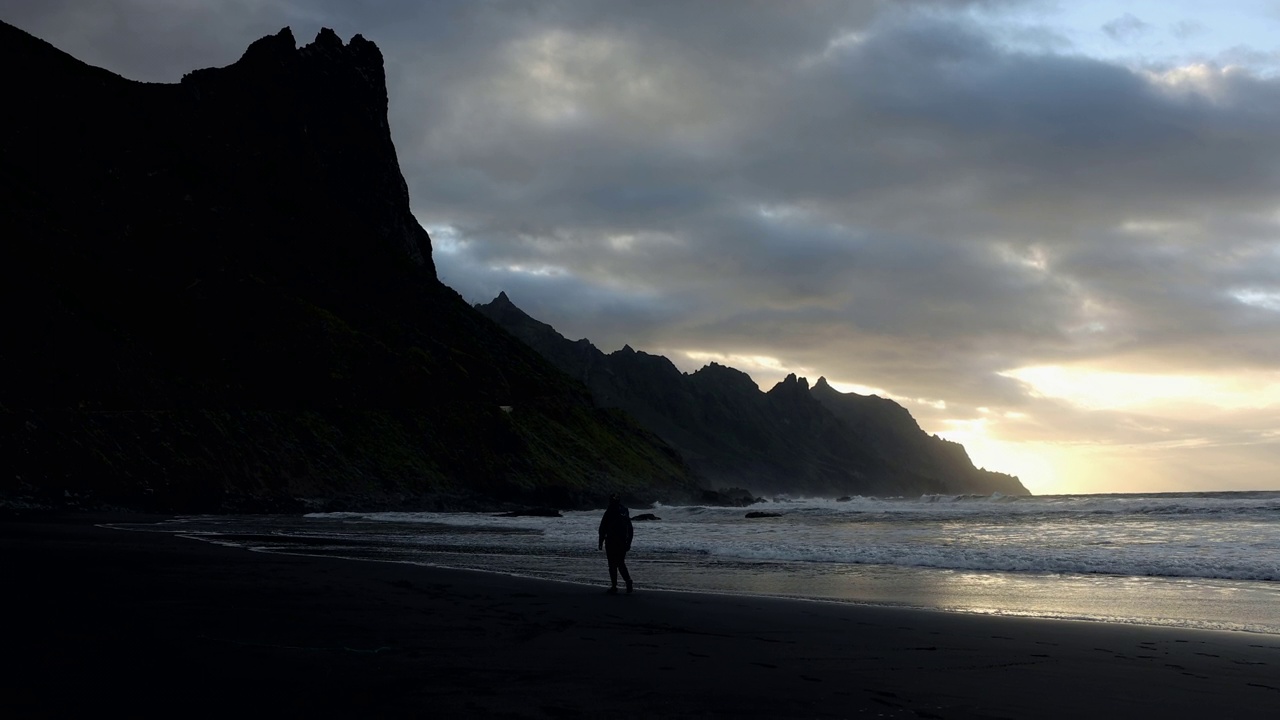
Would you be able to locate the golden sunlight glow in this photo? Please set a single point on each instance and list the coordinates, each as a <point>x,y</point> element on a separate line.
<point>1042,467</point>
<point>1052,468</point>
<point>1102,389</point>
<point>1059,468</point>
<point>845,387</point>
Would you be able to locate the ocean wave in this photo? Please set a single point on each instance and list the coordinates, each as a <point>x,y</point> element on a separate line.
<point>1148,565</point>
<point>1231,536</point>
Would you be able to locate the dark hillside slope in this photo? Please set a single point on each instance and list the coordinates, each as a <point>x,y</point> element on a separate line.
<point>791,439</point>
<point>216,296</point>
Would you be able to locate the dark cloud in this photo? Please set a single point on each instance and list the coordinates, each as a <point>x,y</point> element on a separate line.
<point>884,193</point>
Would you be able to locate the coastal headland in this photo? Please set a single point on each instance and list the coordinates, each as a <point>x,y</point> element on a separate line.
<point>154,624</point>
<point>222,301</point>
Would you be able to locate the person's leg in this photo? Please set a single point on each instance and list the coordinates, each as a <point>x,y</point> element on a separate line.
<point>613,556</point>
<point>617,564</point>
<point>622,568</point>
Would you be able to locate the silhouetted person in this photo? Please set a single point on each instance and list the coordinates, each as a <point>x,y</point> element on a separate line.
<point>615,539</point>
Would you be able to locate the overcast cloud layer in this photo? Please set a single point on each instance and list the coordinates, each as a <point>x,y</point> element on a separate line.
<point>1071,264</point>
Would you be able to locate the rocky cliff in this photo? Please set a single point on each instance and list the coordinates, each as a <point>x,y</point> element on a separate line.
<point>215,296</point>
<point>792,438</point>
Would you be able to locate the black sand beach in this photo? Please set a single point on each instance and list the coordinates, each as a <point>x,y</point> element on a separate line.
<point>149,624</point>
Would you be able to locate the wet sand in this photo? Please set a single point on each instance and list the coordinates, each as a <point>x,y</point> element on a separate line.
<point>150,624</point>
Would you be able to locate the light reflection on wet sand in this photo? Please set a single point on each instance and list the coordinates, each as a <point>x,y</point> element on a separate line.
<point>1178,602</point>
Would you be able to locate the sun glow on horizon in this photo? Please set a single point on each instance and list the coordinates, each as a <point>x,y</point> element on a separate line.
<point>1037,465</point>
<point>1111,390</point>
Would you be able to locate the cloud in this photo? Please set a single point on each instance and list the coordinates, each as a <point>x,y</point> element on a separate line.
<point>1126,28</point>
<point>888,194</point>
<point>1187,29</point>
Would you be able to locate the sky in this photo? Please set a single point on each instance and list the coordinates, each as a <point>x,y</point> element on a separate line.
<point>1051,230</point>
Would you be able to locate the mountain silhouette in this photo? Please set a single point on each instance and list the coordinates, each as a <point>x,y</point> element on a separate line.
<point>791,439</point>
<point>216,297</point>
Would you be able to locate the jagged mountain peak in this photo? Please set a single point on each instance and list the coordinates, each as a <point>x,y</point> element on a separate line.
<point>791,384</point>
<point>274,50</point>
<point>503,304</point>
<point>714,368</point>
<point>516,321</point>
<point>272,47</point>
<point>327,38</point>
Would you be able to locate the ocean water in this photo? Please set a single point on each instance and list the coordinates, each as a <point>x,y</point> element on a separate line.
<point>1201,560</point>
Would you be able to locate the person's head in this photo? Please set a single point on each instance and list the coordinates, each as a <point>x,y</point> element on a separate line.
<point>614,500</point>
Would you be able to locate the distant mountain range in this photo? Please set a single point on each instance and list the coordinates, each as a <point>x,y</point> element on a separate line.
<point>215,297</point>
<point>791,439</point>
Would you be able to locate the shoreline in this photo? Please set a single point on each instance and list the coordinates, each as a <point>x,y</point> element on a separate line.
<point>153,623</point>
<point>732,594</point>
<point>555,550</point>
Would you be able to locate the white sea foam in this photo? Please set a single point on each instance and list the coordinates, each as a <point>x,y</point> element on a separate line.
<point>1193,535</point>
<point>1208,560</point>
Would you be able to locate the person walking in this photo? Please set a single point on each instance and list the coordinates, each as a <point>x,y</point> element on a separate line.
<point>615,539</point>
